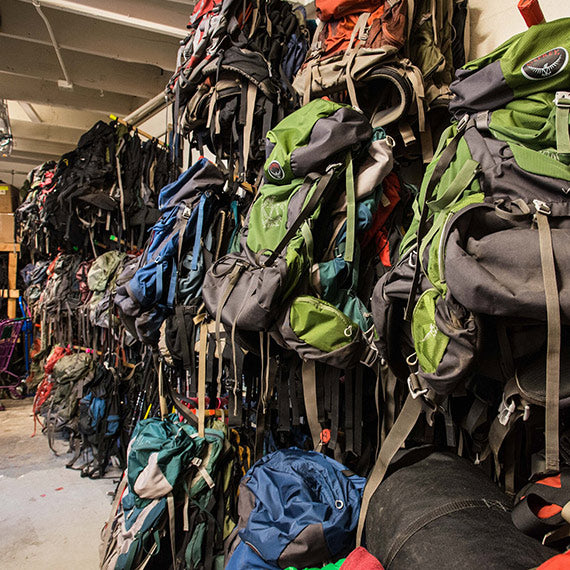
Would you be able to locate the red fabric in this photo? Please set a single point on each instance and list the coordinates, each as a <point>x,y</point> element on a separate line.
<point>558,562</point>
<point>548,511</point>
<point>337,32</point>
<point>56,354</point>
<point>361,559</point>
<point>328,9</point>
<point>551,481</point>
<point>377,232</point>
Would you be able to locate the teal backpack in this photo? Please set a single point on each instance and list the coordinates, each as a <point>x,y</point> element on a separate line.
<point>171,471</point>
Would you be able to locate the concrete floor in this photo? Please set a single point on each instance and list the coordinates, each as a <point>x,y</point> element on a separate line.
<point>50,517</point>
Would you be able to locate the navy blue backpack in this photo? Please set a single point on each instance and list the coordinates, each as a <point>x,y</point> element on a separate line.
<point>187,207</point>
<point>297,508</point>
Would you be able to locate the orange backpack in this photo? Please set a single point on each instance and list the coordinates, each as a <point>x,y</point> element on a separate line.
<point>353,24</point>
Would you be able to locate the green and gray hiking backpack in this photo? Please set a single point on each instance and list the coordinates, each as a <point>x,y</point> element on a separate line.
<point>307,153</point>
<point>481,289</point>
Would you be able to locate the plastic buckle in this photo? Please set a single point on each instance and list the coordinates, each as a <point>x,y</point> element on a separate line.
<point>542,207</point>
<point>506,411</point>
<point>371,356</point>
<point>187,212</point>
<point>462,122</point>
<point>562,99</point>
<point>415,391</point>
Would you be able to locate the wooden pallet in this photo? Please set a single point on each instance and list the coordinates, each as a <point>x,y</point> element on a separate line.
<point>12,294</point>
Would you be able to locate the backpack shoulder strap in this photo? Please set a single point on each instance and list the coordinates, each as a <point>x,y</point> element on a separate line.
<point>395,439</point>
<point>323,185</point>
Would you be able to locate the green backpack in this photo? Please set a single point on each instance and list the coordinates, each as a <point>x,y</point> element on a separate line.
<point>487,255</point>
<point>494,174</point>
<point>307,152</point>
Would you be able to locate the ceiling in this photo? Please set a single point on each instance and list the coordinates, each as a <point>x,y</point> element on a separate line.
<point>116,55</point>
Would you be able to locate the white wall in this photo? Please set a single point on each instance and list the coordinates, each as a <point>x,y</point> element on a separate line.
<point>494,21</point>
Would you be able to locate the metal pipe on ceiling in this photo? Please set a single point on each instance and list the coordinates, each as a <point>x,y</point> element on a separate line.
<point>68,83</point>
<point>147,110</point>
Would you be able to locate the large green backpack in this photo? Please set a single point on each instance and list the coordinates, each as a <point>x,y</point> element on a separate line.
<point>495,173</point>
<point>484,263</point>
<point>307,152</point>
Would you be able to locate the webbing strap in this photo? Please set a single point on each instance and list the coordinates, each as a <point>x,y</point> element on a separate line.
<point>358,402</point>
<point>107,529</point>
<point>250,108</point>
<point>458,185</point>
<point>440,206</point>
<point>335,407</point>
<point>232,280</point>
<point>389,383</point>
<point>198,235</point>
<point>444,161</point>
<point>349,410</point>
<point>161,396</point>
<point>308,209</point>
<point>203,350</point>
<point>562,102</point>
<point>350,210</point>
<point>121,190</point>
<point>395,439</point>
<point>309,374</point>
<point>171,526</point>
<point>184,340</point>
<point>553,342</point>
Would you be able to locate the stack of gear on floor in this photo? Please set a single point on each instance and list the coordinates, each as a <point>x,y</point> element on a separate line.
<point>343,341</point>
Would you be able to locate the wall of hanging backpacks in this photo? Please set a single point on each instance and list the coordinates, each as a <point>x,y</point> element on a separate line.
<point>348,328</point>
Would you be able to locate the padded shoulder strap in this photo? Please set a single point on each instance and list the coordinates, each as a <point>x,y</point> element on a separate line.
<point>320,192</point>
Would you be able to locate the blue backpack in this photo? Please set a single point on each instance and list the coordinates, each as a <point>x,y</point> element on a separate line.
<point>187,206</point>
<point>297,508</point>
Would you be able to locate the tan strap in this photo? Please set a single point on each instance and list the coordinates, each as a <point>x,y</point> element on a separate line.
<point>171,526</point>
<point>350,81</point>
<point>106,532</point>
<point>410,23</point>
<point>248,127</point>
<point>553,342</point>
<point>161,395</point>
<point>393,442</point>
<point>358,27</point>
<point>309,374</point>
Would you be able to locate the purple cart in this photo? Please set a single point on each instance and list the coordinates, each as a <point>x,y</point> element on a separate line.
<point>9,332</point>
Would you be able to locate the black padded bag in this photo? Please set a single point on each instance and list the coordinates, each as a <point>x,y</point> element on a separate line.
<point>443,512</point>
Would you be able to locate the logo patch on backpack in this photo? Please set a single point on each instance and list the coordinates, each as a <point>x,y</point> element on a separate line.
<point>547,65</point>
<point>275,171</point>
